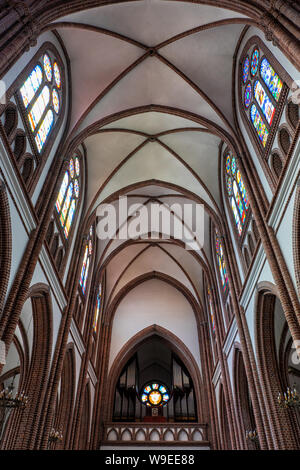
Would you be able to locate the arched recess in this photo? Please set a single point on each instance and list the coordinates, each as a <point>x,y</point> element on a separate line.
<point>5,243</point>
<point>174,344</point>
<point>65,399</point>
<point>84,430</point>
<point>243,400</point>
<point>225,431</point>
<point>296,236</point>
<point>24,426</point>
<point>269,317</point>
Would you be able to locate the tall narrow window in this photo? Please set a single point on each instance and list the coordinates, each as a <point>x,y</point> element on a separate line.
<point>236,191</point>
<point>88,251</point>
<point>67,199</point>
<point>41,97</point>
<point>221,262</point>
<point>97,309</point>
<point>261,89</point>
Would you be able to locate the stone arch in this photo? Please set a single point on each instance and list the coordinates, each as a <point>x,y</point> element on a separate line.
<point>243,400</point>
<point>174,343</point>
<point>282,424</point>
<point>24,426</point>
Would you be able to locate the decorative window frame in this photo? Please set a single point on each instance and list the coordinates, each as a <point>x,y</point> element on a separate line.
<point>262,152</point>
<point>13,92</point>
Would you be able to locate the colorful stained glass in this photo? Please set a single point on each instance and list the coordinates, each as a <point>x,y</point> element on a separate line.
<point>259,125</point>
<point>248,95</point>
<point>86,275</point>
<point>62,192</point>
<point>228,164</point>
<point>70,218</point>
<point>31,85</point>
<point>47,68</point>
<point>236,216</point>
<point>155,398</point>
<point>65,209</point>
<point>242,189</point>
<point>246,69</point>
<point>221,262</point>
<point>254,61</point>
<point>83,269</point>
<point>271,78</point>
<point>86,264</point>
<point>264,102</point>
<point>77,166</point>
<point>76,188</point>
<point>55,101</point>
<point>229,185</point>
<point>239,203</point>
<point>211,309</point>
<point>37,110</point>
<point>57,75</point>
<point>66,200</point>
<point>44,130</point>
<point>155,394</point>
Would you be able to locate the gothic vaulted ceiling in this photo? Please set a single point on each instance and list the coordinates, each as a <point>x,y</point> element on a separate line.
<point>152,102</point>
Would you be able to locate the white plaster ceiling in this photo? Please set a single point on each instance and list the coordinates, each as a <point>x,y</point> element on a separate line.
<point>152,124</point>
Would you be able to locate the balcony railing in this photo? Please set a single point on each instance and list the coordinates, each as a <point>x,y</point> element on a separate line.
<point>183,434</point>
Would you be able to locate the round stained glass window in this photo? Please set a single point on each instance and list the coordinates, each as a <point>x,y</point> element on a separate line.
<point>155,394</point>
<point>47,68</point>
<point>55,101</point>
<point>246,66</point>
<point>57,75</point>
<point>248,95</point>
<point>254,61</point>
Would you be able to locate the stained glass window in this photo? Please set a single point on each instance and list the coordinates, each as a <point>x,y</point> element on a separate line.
<point>211,311</point>
<point>271,78</point>
<point>248,95</point>
<point>261,89</point>
<point>155,394</point>
<point>221,262</point>
<point>97,308</point>
<point>236,192</point>
<point>88,251</point>
<point>259,125</point>
<point>246,69</point>
<point>67,198</point>
<point>41,97</point>
<point>254,62</point>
